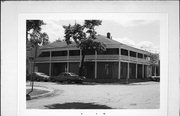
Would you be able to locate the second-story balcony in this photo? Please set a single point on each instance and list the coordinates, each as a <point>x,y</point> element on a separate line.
<point>107,57</point>
<point>42,59</point>
<point>59,58</point>
<point>74,58</point>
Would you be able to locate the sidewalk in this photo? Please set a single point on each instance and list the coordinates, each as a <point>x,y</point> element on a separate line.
<point>39,91</point>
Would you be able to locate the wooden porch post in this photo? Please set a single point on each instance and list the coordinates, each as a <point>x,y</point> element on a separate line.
<point>50,63</point>
<point>95,74</point>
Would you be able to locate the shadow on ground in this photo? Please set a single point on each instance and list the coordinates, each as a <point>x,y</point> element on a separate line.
<point>77,105</point>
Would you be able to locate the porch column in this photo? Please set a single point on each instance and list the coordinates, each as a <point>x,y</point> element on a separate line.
<point>136,70</point>
<point>128,64</point>
<point>136,64</point>
<point>128,71</point>
<point>50,64</point>
<point>142,70</point>
<point>119,71</point>
<point>67,60</point>
<point>95,72</point>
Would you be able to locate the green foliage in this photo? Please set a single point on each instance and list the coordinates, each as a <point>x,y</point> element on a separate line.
<point>44,38</point>
<point>34,24</point>
<point>84,36</point>
<point>154,59</point>
<point>36,37</point>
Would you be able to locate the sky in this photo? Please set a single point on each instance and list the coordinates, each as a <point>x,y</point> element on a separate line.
<point>137,33</point>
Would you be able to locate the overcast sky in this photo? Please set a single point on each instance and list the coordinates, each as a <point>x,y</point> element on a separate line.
<point>137,33</point>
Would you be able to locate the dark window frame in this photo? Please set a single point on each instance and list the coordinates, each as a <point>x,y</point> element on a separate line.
<point>140,55</point>
<point>44,54</point>
<point>110,51</point>
<point>133,54</point>
<point>59,53</point>
<point>90,52</point>
<point>74,52</point>
<point>124,52</point>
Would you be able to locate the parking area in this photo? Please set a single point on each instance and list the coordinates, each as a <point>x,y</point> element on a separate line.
<point>143,95</point>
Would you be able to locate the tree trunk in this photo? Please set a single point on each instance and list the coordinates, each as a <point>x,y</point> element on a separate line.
<point>32,79</point>
<point>81,68</point>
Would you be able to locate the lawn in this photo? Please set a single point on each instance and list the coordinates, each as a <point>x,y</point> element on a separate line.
<point>36,92</point>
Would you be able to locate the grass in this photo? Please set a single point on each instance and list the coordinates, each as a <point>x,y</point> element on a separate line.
<point>36,92</point>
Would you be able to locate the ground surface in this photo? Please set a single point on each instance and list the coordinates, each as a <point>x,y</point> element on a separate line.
<point>99,96</point>
<point>36,91</point>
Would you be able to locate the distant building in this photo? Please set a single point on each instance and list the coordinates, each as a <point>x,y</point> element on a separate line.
<point>119,61</point>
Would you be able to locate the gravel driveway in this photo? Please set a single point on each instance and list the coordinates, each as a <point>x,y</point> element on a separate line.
<point>144,95</point>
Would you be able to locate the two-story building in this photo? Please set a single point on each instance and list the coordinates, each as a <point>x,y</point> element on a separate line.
<point>119,61</point>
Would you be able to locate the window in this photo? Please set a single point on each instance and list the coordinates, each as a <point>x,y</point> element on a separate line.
<point>132,54</point>
<point>145,56</point>
<point>90,52</point>
<point>44,54</point>
<point>124,52</point>
<point>74,52</point>
<point>59,53</point>
<point>140,55</point>
<point>110,51</point>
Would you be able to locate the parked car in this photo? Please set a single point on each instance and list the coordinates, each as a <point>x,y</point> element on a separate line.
<point>155,78</point>
<point>39,76</point>
<point>68,77</point>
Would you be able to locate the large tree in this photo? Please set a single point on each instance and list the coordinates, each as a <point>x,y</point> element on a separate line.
<point>84,37</point>
<point>34,25</point>
<point>34,38</point>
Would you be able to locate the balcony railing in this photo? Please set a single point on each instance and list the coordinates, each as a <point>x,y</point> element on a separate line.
<point>59,58</point>
<point>42,59</point>
<point>92,57</point>
<point>107,57</point>
<point>71,58</point>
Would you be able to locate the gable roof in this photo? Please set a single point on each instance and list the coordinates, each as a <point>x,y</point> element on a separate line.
<point>63,44</point>
<point>100,38</point>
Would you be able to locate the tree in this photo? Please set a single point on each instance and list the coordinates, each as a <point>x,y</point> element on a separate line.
<point>35,38</point>
<point>154,60</point>
<point>44,38</point>
<point>34,25</point>
<point>84,37</point>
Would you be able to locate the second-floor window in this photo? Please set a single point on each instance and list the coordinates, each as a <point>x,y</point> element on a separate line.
<point>140,55</point>
<point>90,52</point>
<point>59,53</point>
<point>132,54</point>
<point>44,54</point>
<point>124,52</point>
<point>145,56</point>
<point>110,51</point>
<point>74,52</point>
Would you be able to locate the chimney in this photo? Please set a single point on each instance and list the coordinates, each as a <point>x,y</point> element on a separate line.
<point>109,35</point>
